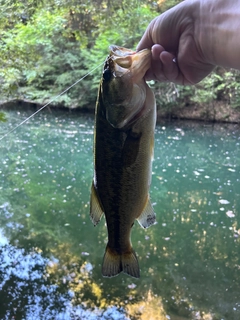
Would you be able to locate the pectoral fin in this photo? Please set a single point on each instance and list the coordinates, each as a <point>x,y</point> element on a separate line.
<point>148,216</point>
<point>96,210</point>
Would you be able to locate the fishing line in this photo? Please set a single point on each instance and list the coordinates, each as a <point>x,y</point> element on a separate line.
<point>53,99</point>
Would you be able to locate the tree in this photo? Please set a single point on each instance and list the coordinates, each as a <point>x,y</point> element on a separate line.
<point>46,53</point>
<point>46,46</point>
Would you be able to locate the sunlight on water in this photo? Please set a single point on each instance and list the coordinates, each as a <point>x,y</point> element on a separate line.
<point>50,253</point>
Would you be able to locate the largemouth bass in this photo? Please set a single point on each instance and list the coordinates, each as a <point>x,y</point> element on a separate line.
<point>123,150</point>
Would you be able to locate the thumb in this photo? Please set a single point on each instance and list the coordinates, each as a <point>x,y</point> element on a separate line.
<point>147,41</point>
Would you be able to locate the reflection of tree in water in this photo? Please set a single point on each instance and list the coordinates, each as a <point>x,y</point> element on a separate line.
<point>189,260</point>
<point>65,279</point>
<point>28,291</point>
<point>203,259</point>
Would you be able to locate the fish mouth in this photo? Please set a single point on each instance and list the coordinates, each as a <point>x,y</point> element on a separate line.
<point>123,79</point>
<point>123,60</point>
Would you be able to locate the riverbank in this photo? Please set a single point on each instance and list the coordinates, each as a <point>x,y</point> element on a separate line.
<point>216,111</point>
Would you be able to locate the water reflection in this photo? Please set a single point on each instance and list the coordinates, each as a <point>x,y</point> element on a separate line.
<point>51,254</point>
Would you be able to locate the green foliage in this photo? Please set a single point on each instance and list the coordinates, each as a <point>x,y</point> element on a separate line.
<point>3,117</point>
<point>230,86</point>
<point>46,46</point>
<point>165,5</point>
<point>170,96</point>
<point>221,85</point>
<point>58,45</point>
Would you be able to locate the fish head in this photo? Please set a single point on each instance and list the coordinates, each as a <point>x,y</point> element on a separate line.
<point>123,87</point>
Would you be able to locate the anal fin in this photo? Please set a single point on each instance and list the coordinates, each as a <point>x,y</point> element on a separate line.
<point>148,216</point>
<point>96,210</point>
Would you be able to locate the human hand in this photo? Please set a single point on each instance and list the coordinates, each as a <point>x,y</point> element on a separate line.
<point>178,54</point>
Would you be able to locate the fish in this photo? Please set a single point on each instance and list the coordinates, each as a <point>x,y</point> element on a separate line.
<point>125,118</point>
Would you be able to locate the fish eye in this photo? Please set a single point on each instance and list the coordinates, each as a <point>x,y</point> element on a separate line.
<point>107,74</point>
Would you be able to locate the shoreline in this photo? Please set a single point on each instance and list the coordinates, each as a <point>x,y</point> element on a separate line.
<point>215,112</point>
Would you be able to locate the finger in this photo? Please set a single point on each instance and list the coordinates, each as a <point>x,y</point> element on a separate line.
<point>157,49</point>
<point>163,66</point>
<point>156,71</point>
<point>169,66</point>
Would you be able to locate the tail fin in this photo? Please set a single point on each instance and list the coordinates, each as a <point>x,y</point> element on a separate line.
<point>114,263</point>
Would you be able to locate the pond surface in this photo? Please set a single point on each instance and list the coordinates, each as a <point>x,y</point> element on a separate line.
<point>51,254</point>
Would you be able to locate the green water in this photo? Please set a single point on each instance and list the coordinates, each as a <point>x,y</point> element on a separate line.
<point>51,254</point>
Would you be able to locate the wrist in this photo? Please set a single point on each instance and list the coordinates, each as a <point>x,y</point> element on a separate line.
<point>218,32</point>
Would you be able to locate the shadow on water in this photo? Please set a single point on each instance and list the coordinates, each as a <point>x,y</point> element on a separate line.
<point>50,253</point>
